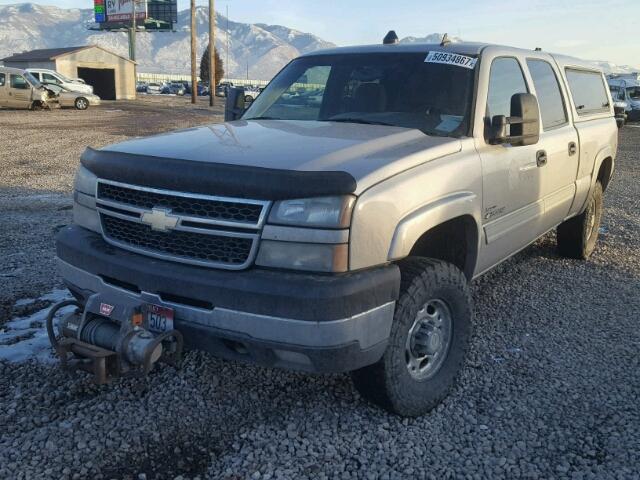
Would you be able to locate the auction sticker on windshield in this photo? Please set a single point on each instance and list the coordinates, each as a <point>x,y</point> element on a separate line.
<point>451,59</point>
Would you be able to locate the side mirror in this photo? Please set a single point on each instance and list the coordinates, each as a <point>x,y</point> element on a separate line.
<point>235,104</point>
<point>524,122</point>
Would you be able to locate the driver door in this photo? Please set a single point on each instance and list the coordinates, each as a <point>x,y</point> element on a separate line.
<point>512,201</point>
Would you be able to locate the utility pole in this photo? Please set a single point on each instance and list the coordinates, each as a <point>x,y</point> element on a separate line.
<point>194,76</point>
<point>132,32</point>
<point>132,45</point>
<point>226,65</point>
<point>212,54</point>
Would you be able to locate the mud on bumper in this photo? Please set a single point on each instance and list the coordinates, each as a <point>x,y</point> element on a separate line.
<point>319,323</point>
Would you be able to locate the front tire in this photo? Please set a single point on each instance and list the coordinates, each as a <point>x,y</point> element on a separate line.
<point>577,237</point>
<point>428,342</point>
<point>81,103</point>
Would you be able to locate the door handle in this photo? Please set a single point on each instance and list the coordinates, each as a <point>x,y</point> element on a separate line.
<point>541,158</point>
<point>573,148</point>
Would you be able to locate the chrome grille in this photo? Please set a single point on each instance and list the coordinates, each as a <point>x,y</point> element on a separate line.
<point>218,232</point>
<point>229,211</point>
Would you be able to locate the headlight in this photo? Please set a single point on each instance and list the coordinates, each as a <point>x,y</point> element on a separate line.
<point>312,257</point>
<point>85,181</point>
<point>322,212</point>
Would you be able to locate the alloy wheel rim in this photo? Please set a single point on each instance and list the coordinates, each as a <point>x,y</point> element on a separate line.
<point>429,339</point>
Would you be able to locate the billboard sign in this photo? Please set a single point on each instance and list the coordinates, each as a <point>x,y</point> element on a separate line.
<point>153,15</point>
<point>99,10</point>
<point>122,10</point>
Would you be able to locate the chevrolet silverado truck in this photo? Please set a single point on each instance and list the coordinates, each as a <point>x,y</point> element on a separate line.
<point>335,225</point>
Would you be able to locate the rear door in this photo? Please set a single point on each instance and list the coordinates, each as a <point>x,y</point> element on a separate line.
<point>558,144</point>
<point>19,91</point>
<point>3,90</point>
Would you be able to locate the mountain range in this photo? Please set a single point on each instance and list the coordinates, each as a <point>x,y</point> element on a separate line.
<point>257,50</point>
<point>264,49</point>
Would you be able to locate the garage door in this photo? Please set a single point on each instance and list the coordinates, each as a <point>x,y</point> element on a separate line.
<point>103,81</point>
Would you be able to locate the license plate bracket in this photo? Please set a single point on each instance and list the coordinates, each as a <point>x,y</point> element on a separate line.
<point>159,319</point>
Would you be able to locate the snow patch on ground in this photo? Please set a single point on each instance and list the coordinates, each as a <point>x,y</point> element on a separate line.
<point>25,338</point>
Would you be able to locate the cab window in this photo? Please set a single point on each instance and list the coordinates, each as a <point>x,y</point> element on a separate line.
<point>552,109</point>
<point>2,79</point>
<point>19,82</point>
<point>505,80</point>
<point>588,91</point>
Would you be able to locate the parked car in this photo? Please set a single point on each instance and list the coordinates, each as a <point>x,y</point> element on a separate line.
<point>66,98</point>
<point>626,95</point>
<point>223,88</point>
<point>177,88</point>
<point>52,77</point>
<point>155,88</point>
<point>141,87</point>
<point>251,93</point>
<point>20,89</point>
<point>340,236</point>
<point>202,90</point>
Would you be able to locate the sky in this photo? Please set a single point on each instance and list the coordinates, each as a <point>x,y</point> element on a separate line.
<point>591,29</point>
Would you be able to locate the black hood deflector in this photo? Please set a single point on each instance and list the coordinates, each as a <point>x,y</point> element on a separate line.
<point>215,178</point>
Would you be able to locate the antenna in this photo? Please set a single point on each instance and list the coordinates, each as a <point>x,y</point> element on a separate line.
<point>391,38</point>
<point>445,40</point>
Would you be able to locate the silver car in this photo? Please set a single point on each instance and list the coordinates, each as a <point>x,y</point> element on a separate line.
<point>66,98</point>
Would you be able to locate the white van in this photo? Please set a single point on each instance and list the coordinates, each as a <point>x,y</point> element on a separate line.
<point>20,89</point>
<point>50,76</point>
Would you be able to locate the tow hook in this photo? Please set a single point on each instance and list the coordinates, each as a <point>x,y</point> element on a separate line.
<point>109,349</point>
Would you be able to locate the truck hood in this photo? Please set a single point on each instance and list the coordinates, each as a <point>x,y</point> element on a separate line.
<point>368,153</point>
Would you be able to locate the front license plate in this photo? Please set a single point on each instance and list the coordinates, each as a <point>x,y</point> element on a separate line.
<point>159,319</point>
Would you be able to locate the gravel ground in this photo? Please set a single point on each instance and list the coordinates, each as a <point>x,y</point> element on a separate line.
<point>550,389</point>
<point>39,154</point>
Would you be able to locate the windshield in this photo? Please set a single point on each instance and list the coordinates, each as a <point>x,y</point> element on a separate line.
<point>617,92</point>
<point>32,80</point>
<point>398,89</point>
<point>634,93</point>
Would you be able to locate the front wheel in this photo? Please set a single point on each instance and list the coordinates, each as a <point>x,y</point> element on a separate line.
<point>428,342</point>
<point>577,237</point>
<point>81,103</point>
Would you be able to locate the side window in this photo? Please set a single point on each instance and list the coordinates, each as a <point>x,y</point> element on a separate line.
<point>48,78</point>
<point>506,79</point>
<point>588,91</point>
<point>2,79</point>
<point>552,109</point>
<point>18,81</point>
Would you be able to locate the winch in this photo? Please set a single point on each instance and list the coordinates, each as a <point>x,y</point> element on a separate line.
<point>110,348</point>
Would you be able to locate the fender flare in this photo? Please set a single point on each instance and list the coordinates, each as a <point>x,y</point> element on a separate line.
<point>415,224</point>
<point>603,154</point>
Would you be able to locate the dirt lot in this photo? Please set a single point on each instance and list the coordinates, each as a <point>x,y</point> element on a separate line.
<point>550,389</point>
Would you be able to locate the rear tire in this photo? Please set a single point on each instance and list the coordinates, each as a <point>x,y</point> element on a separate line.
<point>400,382</point>
<point>577,237</point>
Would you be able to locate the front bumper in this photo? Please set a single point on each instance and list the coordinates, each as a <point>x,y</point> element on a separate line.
<point>321,323</point>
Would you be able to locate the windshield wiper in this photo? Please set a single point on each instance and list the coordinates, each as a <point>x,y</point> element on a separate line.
<point>361,121</point>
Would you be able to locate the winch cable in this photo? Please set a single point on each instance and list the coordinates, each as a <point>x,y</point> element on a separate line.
<point>49,321</point>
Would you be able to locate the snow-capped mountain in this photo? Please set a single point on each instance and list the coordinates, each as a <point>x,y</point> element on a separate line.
<point>609,68</point>
<point>264,49</point>
<point>431,38</point>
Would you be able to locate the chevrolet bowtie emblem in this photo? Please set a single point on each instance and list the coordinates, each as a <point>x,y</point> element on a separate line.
<point>160,219</point>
